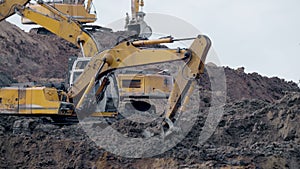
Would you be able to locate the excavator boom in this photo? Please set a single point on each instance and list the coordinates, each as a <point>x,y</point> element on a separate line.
<point>62,25</point>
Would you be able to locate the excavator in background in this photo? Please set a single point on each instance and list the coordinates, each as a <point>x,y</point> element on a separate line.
<point>98,77</point>
<point>137,22</point>
<point>72,8</point>
<point>78,10</point>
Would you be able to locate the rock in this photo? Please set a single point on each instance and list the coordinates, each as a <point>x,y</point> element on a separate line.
<point>47,128</point>
<point>22,126</point>
<point>2,130</point>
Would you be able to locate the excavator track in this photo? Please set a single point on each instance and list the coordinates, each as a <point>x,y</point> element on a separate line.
<point>60,120</point>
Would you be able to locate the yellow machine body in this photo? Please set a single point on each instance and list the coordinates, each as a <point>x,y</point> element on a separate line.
<point>152,86</point>
<point>31,101</point>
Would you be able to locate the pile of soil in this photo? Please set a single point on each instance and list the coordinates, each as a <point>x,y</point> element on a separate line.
<point>259,128</point>
<point>32,57</point>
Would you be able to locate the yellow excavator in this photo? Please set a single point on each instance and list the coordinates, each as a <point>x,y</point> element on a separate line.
<point>136,22</point>
<point>72,8</point>
<point>78,10</point>
<point>75,9</point>
<point>99,73</point>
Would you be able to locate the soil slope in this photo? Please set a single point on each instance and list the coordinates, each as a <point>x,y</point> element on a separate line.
<point>28,57</point>
<point>259,128</point>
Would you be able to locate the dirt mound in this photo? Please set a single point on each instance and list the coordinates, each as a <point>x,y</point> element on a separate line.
<point>32,57</point>
<point>241,85</point>
<point>259,128</point>
<point>257,133</point>
<point>252,133</point>
<point>5,80</point>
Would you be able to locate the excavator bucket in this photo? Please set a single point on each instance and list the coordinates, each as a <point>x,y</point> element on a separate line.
<point>7,7</point>
<point>183,89</point>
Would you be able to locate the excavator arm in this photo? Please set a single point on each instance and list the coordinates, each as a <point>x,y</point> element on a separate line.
<point>75,9</point>
<point>62,25</point>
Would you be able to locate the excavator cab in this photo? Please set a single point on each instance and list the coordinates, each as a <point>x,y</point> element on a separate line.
<point>77,66</point>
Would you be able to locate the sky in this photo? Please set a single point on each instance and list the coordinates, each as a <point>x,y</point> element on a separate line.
<point>261,35</point>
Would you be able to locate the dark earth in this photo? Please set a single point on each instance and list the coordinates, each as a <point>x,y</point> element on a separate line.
<point>259,129</point>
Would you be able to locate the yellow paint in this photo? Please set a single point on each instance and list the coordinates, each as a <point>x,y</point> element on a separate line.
<point>146,85</point>
<point>33,100</point>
